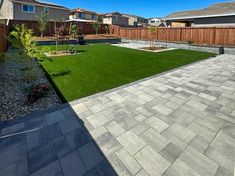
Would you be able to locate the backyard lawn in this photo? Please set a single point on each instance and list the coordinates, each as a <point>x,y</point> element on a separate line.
<point>101,67</point>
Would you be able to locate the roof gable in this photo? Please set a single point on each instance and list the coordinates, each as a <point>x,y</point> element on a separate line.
<point>213,10</point>
<point>83,11</point>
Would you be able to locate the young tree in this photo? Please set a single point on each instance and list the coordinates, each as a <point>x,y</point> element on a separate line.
<point>21,38</point>
<point>56,34</point>
<point>42,21</point>
<point>151,30</point>
<point>106,28</point>
<point>97,24</point>
<point>74,31</point>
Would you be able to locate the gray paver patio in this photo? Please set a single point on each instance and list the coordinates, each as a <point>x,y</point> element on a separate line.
<point>178,123</point>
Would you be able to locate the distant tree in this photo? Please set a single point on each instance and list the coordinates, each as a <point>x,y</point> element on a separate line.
<point>97,24</point>
<point>42,21</point>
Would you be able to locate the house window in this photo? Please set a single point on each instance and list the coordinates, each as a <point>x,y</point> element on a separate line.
<point>81,15</point>
<point>46,10</point>
<point>93,16</point>
<point>28,8</point>
<point>114,18</point>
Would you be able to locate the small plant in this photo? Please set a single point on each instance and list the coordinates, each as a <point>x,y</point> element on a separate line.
<point>74,31</point>
<point>35,92</point>
<point>151,30</point>
<point>106,28</point>
<point>97,24</point>
<point>2,60</point>
<point>61,35</point>
<point>42,21</point>
<point>61,30</point>
<point>190,42</point>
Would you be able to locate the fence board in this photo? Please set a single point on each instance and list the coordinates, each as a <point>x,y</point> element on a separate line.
<point>3,40</point>
<point>203,35</point>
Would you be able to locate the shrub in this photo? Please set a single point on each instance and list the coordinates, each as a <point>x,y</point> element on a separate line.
<point>35,92</point>
<point>22,38</point>
<point>106,28</point>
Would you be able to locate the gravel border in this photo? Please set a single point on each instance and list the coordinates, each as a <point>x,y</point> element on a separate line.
<point>12,95</point>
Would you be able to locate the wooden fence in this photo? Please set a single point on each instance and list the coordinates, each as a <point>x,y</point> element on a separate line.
<point>83,28</point>
<point>3,40</point>
<point>206,35</point>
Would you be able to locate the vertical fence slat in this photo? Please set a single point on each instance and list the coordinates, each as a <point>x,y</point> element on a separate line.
<point>3,40</point>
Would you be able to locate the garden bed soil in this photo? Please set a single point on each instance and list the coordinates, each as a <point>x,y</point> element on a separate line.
<point>90,36</point>
<point>100,36</point>
<point>60,53</point>
<point>13,98</point>
<point>154,48</point>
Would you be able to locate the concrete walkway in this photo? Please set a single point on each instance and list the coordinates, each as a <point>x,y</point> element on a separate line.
<point>178,123</point>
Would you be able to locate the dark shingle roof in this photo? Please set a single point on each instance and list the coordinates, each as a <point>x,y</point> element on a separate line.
<point>135,16</point>
<point>215,9</point>
<point>113,13</point>
<point>40,3</point>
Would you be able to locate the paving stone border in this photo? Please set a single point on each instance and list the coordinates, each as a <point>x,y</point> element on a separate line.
<point>213,49</point>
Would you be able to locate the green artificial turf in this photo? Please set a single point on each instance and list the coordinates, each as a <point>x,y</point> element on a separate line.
<point>101,67</point>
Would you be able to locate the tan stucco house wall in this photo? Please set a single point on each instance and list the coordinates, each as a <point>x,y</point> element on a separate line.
<point>6,10</point>
<point>54,13</point>
<point>86,16</point>
<point>14,10</point>
<point>116,20</point>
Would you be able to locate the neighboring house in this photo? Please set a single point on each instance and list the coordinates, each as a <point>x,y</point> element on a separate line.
<point>115,18</point>
<point>158,22</point>
<point>136,21</point>
<point>83,15</point>
<point>221,14</point>
<point>30,9</point>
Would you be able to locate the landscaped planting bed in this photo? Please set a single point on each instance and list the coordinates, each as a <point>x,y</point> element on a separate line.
<point>17,95</point>
<point>100,67</point>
